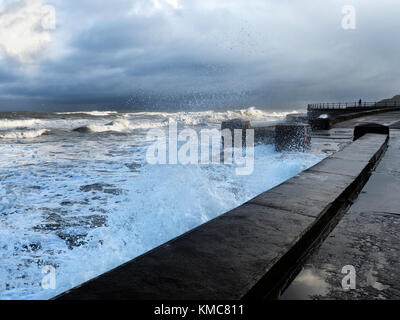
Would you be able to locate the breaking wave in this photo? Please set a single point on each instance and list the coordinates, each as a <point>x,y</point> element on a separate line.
<point>205,117</point>
<point>9,124</point>
<point>122,125</point>
<point>90,113</point>
<point>29,134</point>
<point>86,204</point>
<point>112,121</point>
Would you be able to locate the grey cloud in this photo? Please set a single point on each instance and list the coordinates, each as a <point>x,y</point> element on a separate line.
<point>238,53</point>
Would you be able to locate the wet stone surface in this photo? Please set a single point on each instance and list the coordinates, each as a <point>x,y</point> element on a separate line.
<point>387,119</point>
<point>369,242</point>
<point>367,238</point>
<point>360,148</point>
<point>237,245</point>
<point>306,194</point>
<point>228,256</point>
<point>339,166</point>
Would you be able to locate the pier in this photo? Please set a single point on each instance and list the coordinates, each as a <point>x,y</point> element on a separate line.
<point>341,211</point>
<point>323,116</point>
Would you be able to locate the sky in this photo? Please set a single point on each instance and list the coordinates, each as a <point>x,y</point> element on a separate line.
<point>196,54</point>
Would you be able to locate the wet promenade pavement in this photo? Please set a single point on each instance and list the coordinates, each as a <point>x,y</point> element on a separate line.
<point>367,238</point>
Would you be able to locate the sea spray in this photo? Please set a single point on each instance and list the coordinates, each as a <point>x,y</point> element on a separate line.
<point>86,203</point>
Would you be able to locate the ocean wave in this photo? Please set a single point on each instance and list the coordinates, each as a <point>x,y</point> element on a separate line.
<point>49,124</point>
<point>122,126</point>
<point>38,227</point>
<point>28,134</point>
<point>128,122</point>
<point>91,113</point>
<point>212,117</point>
<point>9,124</point>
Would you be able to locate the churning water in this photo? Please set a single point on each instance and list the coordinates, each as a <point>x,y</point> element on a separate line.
<point>76,192</point>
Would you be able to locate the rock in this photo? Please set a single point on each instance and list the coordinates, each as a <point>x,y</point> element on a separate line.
<point>94,187</point>
<point>84,129</point>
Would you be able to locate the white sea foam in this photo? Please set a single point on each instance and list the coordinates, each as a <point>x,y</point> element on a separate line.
<point>207,117</point>
<point>124,125</point>
<point>28,134</point>
<point>90,113</point>
<point>63,124</point>
<point>149,120</point>
<point>127,122</point>
<point>87,205</point>
<point>9,124</point>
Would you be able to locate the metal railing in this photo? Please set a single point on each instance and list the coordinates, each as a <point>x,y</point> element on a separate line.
<point>352,105</point>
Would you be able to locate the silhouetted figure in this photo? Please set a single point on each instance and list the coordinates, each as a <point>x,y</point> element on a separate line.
<point>360,102</point>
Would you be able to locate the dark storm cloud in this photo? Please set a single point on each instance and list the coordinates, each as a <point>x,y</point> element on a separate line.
<point>204,54</point>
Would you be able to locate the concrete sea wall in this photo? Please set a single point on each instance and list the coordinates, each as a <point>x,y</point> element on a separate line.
<point>337,116</point>
<point>251,251</point>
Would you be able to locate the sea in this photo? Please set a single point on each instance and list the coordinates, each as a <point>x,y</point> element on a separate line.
<point>77,193</point>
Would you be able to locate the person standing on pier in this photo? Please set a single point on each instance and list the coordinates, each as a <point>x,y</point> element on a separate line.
<point>359,103</point>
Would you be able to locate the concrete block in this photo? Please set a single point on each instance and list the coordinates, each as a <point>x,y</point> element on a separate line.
<point>292,137</point>
<point>362,129</point>
<point>249,252</point>
<point>320,124</point>
<point>236,124</point>
<point>264,135</point>
<point>297,118</point>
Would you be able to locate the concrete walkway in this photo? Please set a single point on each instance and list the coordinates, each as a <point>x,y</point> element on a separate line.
<point>367,237</point>
<point>387,118</point>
